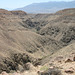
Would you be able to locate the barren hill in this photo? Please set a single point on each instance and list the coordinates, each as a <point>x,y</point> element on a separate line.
<point>34,38</point>
<point>62,28</point>
<point>17,36</point>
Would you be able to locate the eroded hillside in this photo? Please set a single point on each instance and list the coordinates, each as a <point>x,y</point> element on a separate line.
<point>33,38</point>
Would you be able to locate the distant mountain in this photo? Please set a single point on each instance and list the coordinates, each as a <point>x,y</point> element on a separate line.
<point>47,7</point>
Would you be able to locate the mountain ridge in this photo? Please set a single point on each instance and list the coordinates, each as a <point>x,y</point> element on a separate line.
<point>47,7</point>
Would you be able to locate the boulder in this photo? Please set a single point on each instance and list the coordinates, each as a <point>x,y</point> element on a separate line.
<point>4,73</point>
<point>73,58</point>
<point>68,60</point>
<point>50,71</point>
<point>17,73</point>
<point>29,66</point>
<point>69,71</point>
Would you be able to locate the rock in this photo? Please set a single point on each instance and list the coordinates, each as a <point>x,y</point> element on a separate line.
<point>36,62</point>
<point>4,73</point>
<point>59,61</point>
<point>69,71</point>
<point>29,66</point>
<point>20,68</point>
<point>51,67</point>
<point>19,13</point>
<point>72,68</point>
<point>17,73</point>
<point>59,58</point>
<point>52,71</point>
<point>74,59</point>
<point>68,60</point>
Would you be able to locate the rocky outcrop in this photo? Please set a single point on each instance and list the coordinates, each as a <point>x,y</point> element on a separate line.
<point>5,12</point>
<point>69,35</point>
<point>19,62</point>
<point>69,71</point>
<point>68,60</point>
<point>19,13</point>
<point>4,73</point>
<point>12,63</point>
<point>73,58</point>
<point>53,71</point>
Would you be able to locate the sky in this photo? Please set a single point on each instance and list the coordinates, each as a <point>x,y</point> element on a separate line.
<point>13,4</point>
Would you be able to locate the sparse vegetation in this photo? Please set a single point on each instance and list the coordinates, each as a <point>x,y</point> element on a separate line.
<point>29,41</point>
<point>44,68</point>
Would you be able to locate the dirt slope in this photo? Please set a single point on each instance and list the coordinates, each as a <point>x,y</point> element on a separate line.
<point>61,28</point>
<point>18,37</point>
<point>30,38</point>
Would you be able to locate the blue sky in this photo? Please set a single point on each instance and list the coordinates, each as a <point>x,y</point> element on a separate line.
<point>12,4</point>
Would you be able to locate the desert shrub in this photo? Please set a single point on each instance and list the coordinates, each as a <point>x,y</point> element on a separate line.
<point>44,68</point>
<point>69,35</point>
<point>12,64</point>
<point>36,62</point>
